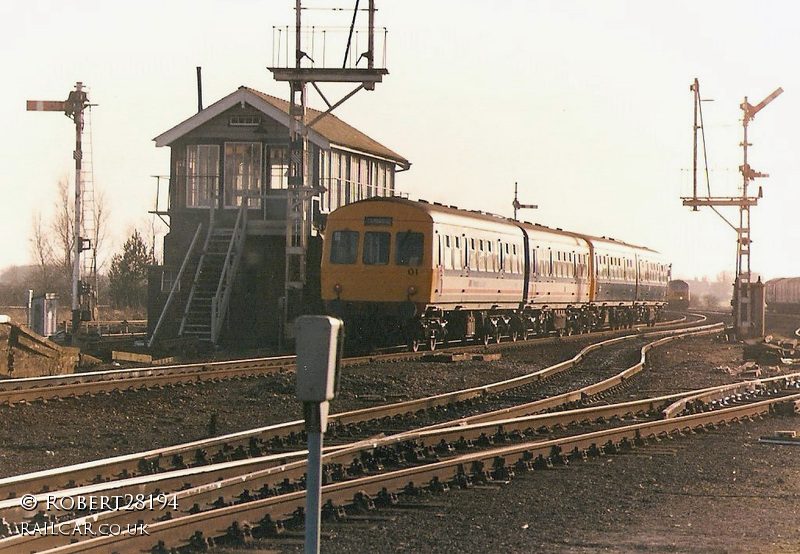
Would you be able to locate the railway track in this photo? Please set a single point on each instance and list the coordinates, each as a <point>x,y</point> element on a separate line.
<point>276,438</point>
<point>514,449</point>
<point>271,473</point>
<point>56,387</point>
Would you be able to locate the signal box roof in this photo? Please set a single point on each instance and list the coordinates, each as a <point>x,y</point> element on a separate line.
<point>330,131</point>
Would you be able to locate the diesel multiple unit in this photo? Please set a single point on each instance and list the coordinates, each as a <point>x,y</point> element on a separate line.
<point>395,269</point>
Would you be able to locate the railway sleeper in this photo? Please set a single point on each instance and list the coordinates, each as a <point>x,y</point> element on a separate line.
<point>371,462</point>
<point>363,502</point>
<point>517,436</point>
<point>267,528</point>
<point>577,455</point>
<point>595,451</point>
<point>411,489</point>
<point>461,480</point>
<point>484,440</point>
<point>463,444</point>
<point>559,460</point>
<point>444,448</point>
<point>332,512</point>
<point>327,475</point>
<point>356,468</point>
<point>266,492</point>
<point>523,466</point>
<point>198,543</point>
<point>386,499</point>
<point>147,467</point>
<point>337,472</point>
<point>479,473</point>
<point>500,471</point>
<point>438,487</point>
<point>541,462</point>
<point>243,497</point>
<point>219,503</point>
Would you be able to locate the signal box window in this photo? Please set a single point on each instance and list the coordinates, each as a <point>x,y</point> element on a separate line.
<point>376,248</point>
<point>242,172</point>
<point>408,250</point>
<point>344,247</point>
<point>279,167</point>
<point>202,174</point>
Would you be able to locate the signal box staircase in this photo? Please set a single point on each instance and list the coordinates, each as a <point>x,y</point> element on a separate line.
<point>201,291</point>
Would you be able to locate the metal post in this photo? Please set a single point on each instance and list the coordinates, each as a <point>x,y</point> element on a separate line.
<point>318,349</point>
<point>743,309</point>
<point>313,417</point>
<point>76,233</point>
<point>73,107</point>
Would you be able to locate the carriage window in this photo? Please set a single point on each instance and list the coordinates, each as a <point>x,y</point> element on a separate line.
<point>408,248</point>
<point>376,248</point>
<point>344,247</point>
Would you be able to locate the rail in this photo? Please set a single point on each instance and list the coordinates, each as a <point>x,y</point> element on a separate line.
<point>498,462</point>
<point>131,464</point>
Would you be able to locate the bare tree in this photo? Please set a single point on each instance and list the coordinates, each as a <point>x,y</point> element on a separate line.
<point>62,227</point>
<point>53,242</point>
<point>42,249</point>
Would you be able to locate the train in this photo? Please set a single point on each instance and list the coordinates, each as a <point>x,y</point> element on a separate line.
<point>783,294</point>
<point>678,295</point>
<point>418,273</point>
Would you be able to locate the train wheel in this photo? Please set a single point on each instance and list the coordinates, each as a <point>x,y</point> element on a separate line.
<point>485,338</point>
<point>497,336</point>
<point>525,334</point>
<point>514,335</point>
<point>414,344</point>
<point>432,343</point>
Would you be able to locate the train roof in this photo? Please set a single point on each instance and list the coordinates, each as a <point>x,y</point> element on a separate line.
<point>433,208</point>
<point>780,279</point>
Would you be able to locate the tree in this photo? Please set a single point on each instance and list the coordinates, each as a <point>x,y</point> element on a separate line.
<point>52,242</point>
<point>42,250</point>
<point>127,275</point>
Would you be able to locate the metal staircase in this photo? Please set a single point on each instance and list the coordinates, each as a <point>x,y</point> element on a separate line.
<point>209,295</point>
<point>213,270</point>
<point>196,320</point>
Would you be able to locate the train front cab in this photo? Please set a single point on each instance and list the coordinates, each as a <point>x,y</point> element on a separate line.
<point>376,268</point>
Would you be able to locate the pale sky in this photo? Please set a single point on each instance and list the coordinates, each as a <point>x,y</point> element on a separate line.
<point>585,104</point>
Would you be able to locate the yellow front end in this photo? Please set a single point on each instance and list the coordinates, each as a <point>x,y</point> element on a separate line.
<point>379,252</point>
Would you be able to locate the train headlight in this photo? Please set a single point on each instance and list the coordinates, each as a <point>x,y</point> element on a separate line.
<point>412,290</point>
<point>337,288</point>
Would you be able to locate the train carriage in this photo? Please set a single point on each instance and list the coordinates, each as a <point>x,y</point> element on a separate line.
<point>783,294</point>
<point>397,269</point>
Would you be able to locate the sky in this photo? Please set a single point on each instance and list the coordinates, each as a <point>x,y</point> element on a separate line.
<point>585,104</point>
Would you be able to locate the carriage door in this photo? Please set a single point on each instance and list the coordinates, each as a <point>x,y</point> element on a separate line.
<point>440,256</point>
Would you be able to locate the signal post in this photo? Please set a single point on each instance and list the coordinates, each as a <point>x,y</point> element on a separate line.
<point>748,297</point>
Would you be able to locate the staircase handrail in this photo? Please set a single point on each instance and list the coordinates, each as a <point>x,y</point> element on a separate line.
<point>221,300</point>
<point>175,286</point>
<point>197,272</point>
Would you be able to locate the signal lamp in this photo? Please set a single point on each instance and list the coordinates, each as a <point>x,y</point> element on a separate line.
<point>412,290</point>
<point>337,288</point>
